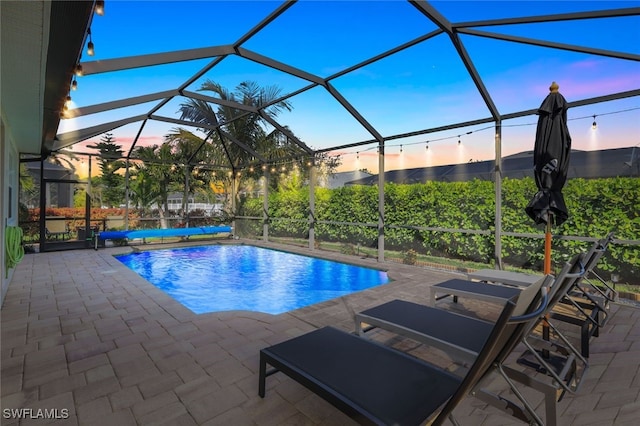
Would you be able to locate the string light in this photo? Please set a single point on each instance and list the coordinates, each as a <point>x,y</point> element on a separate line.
<point>400,148</point>
<point>79,71</point>
<point>90,49</point>
<point>74,84</point>
<point>99,8</point>
<point>594,126</point>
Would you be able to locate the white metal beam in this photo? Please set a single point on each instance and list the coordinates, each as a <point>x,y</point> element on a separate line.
<point>131,62</point>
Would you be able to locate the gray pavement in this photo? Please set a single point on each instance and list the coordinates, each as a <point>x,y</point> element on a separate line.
<point>95,344</point>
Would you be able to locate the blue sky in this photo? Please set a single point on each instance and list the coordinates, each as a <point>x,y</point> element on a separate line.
<point>419,88</point>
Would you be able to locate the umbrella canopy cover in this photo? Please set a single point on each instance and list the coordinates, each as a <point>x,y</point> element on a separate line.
<point>551,160</point>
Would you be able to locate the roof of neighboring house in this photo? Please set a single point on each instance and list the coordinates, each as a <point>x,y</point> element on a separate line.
<point>583,164</point>
<point>339,179</point>
<point>35,165</point>
<point>51,170</point>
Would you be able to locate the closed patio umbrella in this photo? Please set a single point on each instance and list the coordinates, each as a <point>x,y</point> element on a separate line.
<point>551,162</point>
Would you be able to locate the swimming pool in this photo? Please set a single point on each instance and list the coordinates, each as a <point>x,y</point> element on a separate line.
<point>241,277</point>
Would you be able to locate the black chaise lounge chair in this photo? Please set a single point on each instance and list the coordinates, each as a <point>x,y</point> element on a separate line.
<point>461,338</point>
<point>591,301</point>
<point>457,287</point>
<point>497,285</point>
<point>581,308</point>
<point>594,292</point>
<point>602,289</point>
<point>376,384</point>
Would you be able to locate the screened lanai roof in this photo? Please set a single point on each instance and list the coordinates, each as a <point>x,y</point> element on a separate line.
<point>357,73</point>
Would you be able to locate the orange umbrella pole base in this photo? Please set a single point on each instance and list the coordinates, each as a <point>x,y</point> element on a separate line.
<point>547,270</point>
<point>547,251</point>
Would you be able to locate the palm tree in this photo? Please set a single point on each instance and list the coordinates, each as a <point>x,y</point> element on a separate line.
<point>28,187</point>
<point>189,151</point>
<point>158,165</point>
<point>64,159</point>
<point>144,191</point>
<point>243,136</point>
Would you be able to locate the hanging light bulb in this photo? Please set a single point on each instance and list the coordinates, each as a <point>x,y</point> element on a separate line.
<point>358,155</point>
<point>400,148</point>
<point>99,8</point>
<point>90,49</point>
<point>79,71</point>
<point>426,147</point>
<point>594,126</point>
<point>74,84</point>
<point>459,141</point>
<point>67,101</point>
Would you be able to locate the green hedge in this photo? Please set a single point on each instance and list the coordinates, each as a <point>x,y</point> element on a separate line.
<point>596,207</point>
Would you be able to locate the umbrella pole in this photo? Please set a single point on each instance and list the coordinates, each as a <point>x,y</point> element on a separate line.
<point>547,270</point>
<point>547,246</point>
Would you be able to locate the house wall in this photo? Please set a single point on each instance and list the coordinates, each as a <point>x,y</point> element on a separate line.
<point>9,179</point>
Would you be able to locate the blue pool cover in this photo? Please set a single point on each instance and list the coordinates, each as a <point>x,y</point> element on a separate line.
<point>171,232</point>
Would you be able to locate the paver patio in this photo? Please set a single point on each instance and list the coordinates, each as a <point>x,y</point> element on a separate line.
<point>86,336</point>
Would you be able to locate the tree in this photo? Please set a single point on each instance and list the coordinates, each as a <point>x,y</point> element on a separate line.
<point>160,167</point>
<point>110,161</point>
<point>188,151</point>
<point>243,135</point>
<point>144,191</point>
<point>29,189</point>
<point>63,158</point>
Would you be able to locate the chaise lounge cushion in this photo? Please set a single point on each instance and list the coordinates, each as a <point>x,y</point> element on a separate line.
<point>391,386</point>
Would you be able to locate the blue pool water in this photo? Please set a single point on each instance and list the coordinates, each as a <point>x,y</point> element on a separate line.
<point>238,277</point>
